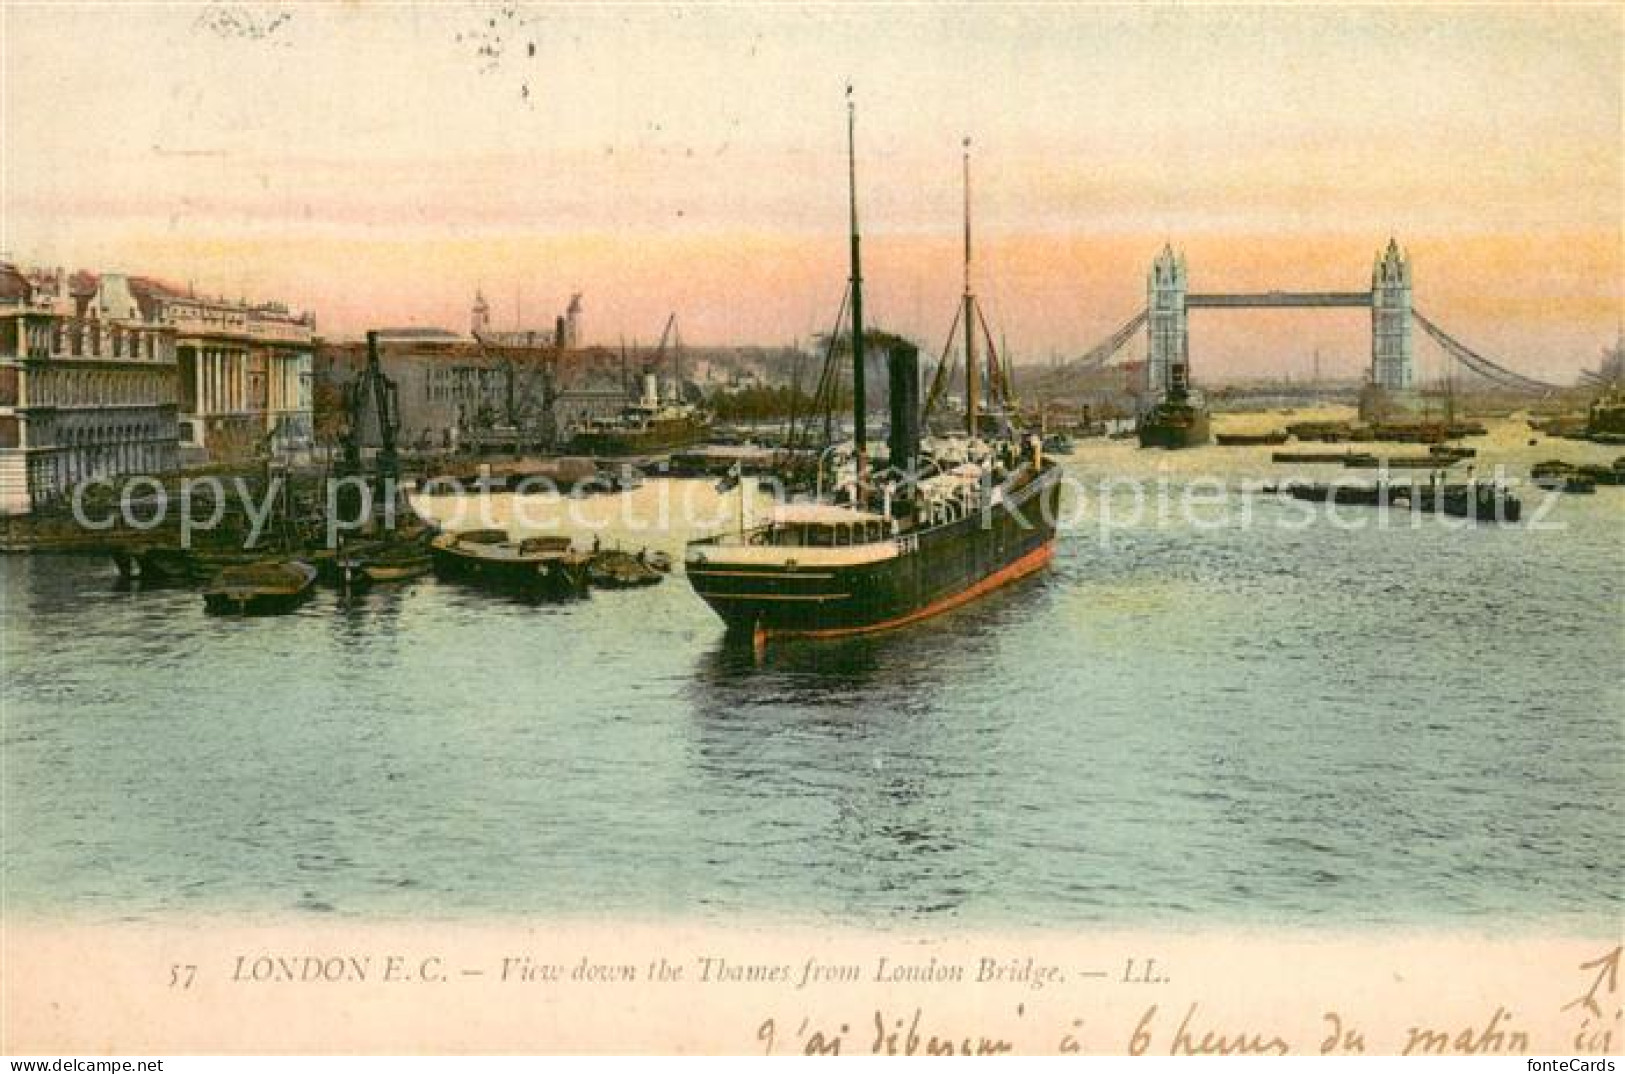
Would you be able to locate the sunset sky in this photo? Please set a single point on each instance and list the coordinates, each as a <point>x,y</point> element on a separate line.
<point>379,162</point>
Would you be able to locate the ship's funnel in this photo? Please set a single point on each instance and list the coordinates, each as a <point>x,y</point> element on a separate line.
<point>651,390</point>
<point>1179,380</point>
<point>903,363</point>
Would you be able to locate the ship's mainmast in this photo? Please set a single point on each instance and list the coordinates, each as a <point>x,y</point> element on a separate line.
<point>973,387</point>
<point>987,387</point>
<point>859,403</point>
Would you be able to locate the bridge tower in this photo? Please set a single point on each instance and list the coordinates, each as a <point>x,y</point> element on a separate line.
<point>1393,366</point>
<point>1166,331</point>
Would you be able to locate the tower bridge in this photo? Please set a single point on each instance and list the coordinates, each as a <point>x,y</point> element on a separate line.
<point>1169,301</point>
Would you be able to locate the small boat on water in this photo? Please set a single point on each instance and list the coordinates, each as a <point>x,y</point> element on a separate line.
<point>1558,476</point>
<point>1361,460</point>
<point>1552,470</point>
<point>1490,502</point>
<point>159,565</point>
<point>1250,439</point>
<point>270,587</point>
<point>615,569</point>
<point>1606,475</point>
<point>1326,432</point>
<point>164,565</point>
<point>1330,458</point>
<point>383,563</point>
<point>1058,444</point>
<point>537,566</point>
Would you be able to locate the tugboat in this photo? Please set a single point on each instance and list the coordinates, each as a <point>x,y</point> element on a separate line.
<point>944,522</point>
<point>1180,420</point>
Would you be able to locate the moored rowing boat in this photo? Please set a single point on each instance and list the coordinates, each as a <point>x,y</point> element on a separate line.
<point>269,587</point>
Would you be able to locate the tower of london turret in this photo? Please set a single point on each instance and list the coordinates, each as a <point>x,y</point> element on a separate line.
<point>572,323</point>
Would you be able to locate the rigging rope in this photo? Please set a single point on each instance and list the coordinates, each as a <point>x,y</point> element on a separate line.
<point>823,400</point>
<point>940,380</point>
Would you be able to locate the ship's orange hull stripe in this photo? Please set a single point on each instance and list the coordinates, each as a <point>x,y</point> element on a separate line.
<point>1027,564</point>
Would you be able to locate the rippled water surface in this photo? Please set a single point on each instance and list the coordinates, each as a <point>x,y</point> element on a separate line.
<point>1182,724</point>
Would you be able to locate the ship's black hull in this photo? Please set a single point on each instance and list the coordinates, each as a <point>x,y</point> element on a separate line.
<point>940,568</point>
<point>660,436</point>
<point>1174,428</point>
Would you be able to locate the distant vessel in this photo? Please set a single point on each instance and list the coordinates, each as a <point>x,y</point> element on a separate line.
<point>1179,420</point>
<point>1364,460</point>
<point>1490,502</point>
<point>1250,439</point>
<point>649,426</point>
<point>945,522</point>
<point>1311,457</point>
<point>1327,432</point>
<point>1559,476</point>
<point>1606,417</point>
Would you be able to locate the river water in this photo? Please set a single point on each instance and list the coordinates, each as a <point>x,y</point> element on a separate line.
<point>1185,721</point>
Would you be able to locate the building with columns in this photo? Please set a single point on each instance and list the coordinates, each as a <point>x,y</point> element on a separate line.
<point>244,369</point>
<point>85,391</point>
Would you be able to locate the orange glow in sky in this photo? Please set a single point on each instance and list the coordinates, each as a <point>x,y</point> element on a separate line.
<point>378,163</point>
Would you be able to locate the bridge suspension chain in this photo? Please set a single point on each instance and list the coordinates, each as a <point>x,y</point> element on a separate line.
<point>1100,354</point>
<point>1481,365</point>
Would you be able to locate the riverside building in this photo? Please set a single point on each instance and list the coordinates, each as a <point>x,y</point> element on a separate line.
<point>85,391</point>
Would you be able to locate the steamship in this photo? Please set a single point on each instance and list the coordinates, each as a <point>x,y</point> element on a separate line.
<point>1178,421</point>
<point>940,523</point>
<point>646,427</point>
